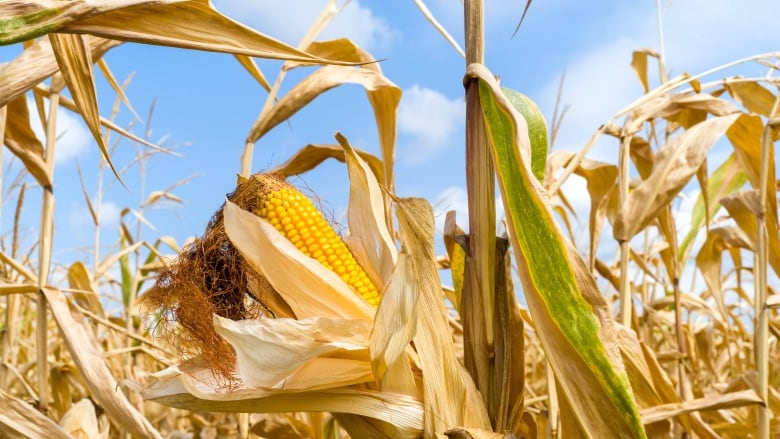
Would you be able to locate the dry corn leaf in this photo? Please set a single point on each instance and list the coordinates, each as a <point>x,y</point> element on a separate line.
<point>669,106</point>
<point>646,380</point>
<point>191,24</point>
<point>81,421</point>
<point>639,64</point>
<point>509,346</point>
<point>194,387</point>
<point>157,196</point>
<point>668,392</point>
<point>642,156</point>
<point>313,290</point>
<point>37,63</point>
<point>342,49</point>
<point>369,232</point>
<point>92,212</point>
<point>249,64</point>
<point>601,181</point>
<point>569,313</point>
<point>62,395</point>
<point>310,156</point>
<point>383,95</point>
<point>457,256</point>
<point>743,206</point>
<point>436,25</point>
<point>75,61</point>
<point>687,110</point>
<point>307,354</point>
<point>667,225</point>
<point>91,363</point>
<point>675,164</point>
<point>714,402</point>
<point>19,419</point>
<point>746,136</point>
<point>22,141</point>
<point>118,89</point>
<point>451,398</point>
<point>710,256</point>
<point>753,96</point>
<point>87,295</point>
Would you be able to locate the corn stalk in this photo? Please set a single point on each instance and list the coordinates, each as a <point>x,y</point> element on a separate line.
<point>479,285</point>
<point>761,268</point>
<point>44,257</point>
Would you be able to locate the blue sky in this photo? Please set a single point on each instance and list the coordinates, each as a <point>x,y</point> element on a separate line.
<point>205,103</point>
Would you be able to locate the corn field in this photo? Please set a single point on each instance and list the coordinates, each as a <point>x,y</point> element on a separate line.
<point>272,324</point>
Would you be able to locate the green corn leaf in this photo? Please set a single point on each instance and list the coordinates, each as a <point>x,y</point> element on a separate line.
<point>569,313</point>
<point>127,275</point>
<point>537,129</point>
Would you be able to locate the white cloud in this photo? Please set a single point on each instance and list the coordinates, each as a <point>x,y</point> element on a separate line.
<point>289,22</point>
<point>431,120</point>
<point>73,138</point>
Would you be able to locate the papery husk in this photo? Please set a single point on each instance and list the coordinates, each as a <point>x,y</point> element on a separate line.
<point>308,354</point>
<point>192,386</point>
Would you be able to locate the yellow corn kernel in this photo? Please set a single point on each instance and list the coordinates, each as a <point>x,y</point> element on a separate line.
<point>296,217</point>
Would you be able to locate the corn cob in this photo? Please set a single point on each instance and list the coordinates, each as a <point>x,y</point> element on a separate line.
<point>296,217</point>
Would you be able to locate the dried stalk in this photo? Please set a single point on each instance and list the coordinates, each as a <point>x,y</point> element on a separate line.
<point>661,45</point>
<point>478,289</point>
<point>44,256</point>
<point>5,341</point>
<point>761,268</point>
<point>553,412</point>
<point>625,248</point>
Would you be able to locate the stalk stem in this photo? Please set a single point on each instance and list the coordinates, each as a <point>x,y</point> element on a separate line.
<point>479,289</point>
<point>44,258</point>
<point>625,248</point>
<point>760,269</point>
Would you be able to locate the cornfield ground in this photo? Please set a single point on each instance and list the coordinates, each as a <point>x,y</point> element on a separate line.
<point>239,334</point>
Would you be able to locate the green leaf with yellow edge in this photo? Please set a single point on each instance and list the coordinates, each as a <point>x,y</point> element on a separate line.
<point>569,313</point>
<point>537,128</point>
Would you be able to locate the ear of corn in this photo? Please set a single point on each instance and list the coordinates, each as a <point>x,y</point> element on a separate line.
<point>296,217</point>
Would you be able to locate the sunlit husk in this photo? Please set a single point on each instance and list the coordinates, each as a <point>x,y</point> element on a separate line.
<point>193,388</point>
<point>306,354</point>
